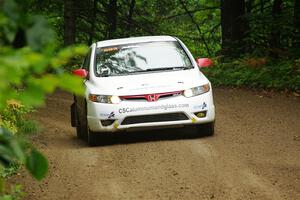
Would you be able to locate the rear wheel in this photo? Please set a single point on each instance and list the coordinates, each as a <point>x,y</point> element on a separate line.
<point>206,129</point>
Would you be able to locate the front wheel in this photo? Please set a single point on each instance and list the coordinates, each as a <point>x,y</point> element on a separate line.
<point>207,129</point>
<point>76,122</point>
<point>89,135</point>
<point>79,129</point>
<point>91,138</point>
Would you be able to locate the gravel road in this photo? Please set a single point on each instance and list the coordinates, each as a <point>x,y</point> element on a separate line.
<point>254,154</point>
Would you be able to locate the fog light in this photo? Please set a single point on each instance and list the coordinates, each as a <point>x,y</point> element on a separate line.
<point>201,114</point>
<point>107,122</point>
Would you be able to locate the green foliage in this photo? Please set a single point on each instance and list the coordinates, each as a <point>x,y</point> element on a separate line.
<point>263,25</point>
<point>37,164</point>
<point>152,17</point>
<point>15,194</point>
<point>257,73</point>
<point>31,67</point>
<point>13,119</point>
<point>11,149</point>
<point>35,74</point>
<point>15,151</point>
<point>10,170</point>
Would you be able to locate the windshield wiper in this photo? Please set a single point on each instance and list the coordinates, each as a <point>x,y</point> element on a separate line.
<point>168,68</point>
<point>162,69</point>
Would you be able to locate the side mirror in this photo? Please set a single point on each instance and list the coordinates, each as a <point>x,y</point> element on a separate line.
<point>204,62</point>
<point>80,72</point>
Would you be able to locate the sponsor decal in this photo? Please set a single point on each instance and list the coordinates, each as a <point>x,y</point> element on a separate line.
<point>158,107</point>
<point>202,106</point>
<point>111,115</point>
<point>110,49</point>
<point>108,115</point>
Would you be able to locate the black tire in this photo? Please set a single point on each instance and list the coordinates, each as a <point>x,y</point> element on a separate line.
<point>75,121</point>
<point>91,138</point>
<point>73,115</point>
<point>207,129</point>
<point>84,128</point>
<point>88,135</point>
<point>79,128</point>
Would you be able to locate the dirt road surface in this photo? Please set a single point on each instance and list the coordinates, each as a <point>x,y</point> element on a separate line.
<point>255,154</point>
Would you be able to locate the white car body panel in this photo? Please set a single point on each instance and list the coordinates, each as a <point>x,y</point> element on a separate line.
<point>146,83</point>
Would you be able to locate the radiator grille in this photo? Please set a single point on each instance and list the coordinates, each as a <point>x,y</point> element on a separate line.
<point>154,118</point>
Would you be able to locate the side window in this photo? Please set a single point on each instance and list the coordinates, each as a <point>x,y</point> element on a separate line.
<point>86,62</point>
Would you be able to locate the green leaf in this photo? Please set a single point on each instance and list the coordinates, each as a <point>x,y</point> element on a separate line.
<point>17,150</point>
<point>37,164</point>
<point>47,83</point>
<point>71,83</point>
<point>6,197</point>
<point>6,155</point>
<point>2,185</point>
<point>33,95</point>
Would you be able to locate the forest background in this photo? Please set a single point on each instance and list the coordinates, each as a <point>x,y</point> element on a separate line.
<point>253,43</point>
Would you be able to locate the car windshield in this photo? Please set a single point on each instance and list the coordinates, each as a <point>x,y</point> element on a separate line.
<point>140,58</point>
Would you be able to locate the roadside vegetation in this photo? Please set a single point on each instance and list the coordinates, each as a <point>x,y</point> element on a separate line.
<point>30,69</point>
<point>255,43</point>
<point>257,72</point>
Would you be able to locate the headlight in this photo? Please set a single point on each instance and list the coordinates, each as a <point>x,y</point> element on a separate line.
<point>104,99</point>
<point>196,90</point>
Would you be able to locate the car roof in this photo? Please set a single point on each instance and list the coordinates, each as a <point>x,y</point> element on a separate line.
<point>132,40</point>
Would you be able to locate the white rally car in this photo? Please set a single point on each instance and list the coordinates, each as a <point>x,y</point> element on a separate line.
<point>142,82</point>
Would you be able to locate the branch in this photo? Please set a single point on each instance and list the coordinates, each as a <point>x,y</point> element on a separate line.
<point>192,11</point>
<point>196,24</point>
<point>133,22</point>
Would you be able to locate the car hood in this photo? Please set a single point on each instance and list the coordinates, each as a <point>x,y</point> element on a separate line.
<point>156,82</point>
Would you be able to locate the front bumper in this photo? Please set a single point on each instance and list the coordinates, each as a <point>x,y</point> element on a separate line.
<point>140,114</point>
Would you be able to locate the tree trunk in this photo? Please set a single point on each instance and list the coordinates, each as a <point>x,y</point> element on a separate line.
<point>130,14</point>
<point>262,6</point>
<point>93,20</point>
<point>20,39</point>
<point>111,15</point>
<point>275,34</point>
<point>69,22</point>
<point>249,6</point>
<point>234,26</point>
<point>297,23</point>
